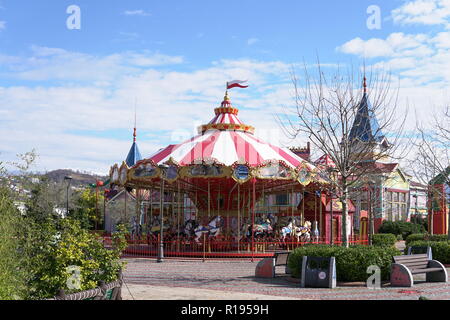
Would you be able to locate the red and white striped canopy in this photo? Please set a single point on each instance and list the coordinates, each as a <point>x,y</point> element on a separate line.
<point>227,140</point>
<point>325,161</point>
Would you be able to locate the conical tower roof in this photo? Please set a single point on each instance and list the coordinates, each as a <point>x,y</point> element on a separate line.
<point>133,155</point>
<point>365,127</point>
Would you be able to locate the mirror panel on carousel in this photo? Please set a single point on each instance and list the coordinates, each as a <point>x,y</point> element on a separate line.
<point>274,171</point>
<point>206,170</point>
<point>304,176</point>
<point>145,170</point>
<point>241,173</point>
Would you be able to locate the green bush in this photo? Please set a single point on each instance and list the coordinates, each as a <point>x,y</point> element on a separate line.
<point>59,247</point>
<point>426,237</point>
<point>384,239</point>
<point>401,228</point>
<point>351,263</point>
<point>440,249</point>
<point>12,277</point>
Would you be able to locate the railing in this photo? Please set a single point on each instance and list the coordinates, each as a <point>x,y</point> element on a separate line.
<point>222,247</point>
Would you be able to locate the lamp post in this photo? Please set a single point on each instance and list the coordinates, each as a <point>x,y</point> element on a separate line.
<point>68,179</point>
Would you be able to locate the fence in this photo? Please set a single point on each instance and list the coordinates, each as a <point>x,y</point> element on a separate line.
<point>219,248</point>
<point>109,291</point>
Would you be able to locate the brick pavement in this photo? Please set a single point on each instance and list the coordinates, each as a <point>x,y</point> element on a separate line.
<point>236,279</point>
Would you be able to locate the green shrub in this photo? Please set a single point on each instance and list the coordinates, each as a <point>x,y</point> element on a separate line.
<point>351,263</point>
<point>12,277</point>
<point>426,237</point>
<point>401,228</point>
<point>399,237</point>
<point>440,249</point>
<point>52,252</point>
<point>384,239</point>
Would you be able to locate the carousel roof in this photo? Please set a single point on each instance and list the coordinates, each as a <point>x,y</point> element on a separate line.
<point>227,140</point>
<point>133,155</point>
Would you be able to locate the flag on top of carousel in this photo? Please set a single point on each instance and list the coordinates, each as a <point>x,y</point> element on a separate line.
<point>237,84</point>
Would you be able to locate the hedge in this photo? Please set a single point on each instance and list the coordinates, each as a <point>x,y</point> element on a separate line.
<point>384,239</point>
<point>351,263</point>
<point>426,237</point>
<point>401,228</point>
<point>440,249</point>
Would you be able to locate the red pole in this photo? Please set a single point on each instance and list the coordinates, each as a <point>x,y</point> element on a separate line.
<point>253,216</point>
<point>96,206</point>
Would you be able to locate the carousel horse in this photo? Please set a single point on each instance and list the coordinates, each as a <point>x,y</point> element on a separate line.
<point>288,230</point>
<point>189,228</point>
<point>303,233</point>
<point>261,229</point>
<point>212,229</point>
<point>136,229</point>
<point>155,226</point>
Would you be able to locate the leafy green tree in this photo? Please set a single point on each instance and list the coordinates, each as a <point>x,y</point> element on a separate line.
<point>12,277</point>
<point>87,208</point>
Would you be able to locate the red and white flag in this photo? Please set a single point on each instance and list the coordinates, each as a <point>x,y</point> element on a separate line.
<point>237,84</point>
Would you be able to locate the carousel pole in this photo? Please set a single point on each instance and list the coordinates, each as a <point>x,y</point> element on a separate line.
<point>303,207</point>
<point>209,199</point>
<point>239,217</point>
<point>209,214</point>
<point>249,214</point>
<point>320,214</point>
<point>151,206</point>
<point>178,217</point>
<point>161,231</point>
<point>253,216</point>
<point>125,211</point>
<point>196,204</point>
<point>136,209</point>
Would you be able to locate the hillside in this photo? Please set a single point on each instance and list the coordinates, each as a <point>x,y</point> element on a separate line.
<point>78,178</point>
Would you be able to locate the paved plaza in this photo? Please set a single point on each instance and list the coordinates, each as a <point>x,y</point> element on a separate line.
<point>234,280</point>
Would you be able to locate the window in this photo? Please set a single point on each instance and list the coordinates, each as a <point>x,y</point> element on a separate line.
<point>282,199</point>
<point>396,206</point>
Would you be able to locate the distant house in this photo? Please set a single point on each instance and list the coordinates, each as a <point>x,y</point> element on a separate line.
<point>439,202</point>
<point>418,195</point>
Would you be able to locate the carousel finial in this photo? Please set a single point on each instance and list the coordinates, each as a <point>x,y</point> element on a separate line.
<point>365,84</point>
<point>134,132</point>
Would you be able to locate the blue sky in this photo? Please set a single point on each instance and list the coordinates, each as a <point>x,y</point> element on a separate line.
<point>71,93</point>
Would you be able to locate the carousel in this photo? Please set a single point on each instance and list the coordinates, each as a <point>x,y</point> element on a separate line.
<point>210,195</point>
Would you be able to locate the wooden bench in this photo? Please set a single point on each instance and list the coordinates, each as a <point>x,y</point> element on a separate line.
<point>405,267</point>
<point>281,259</point>
<point>266,267</point>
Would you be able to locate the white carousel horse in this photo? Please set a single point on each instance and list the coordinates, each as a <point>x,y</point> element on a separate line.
<point>288,230</point>
<point>304,232</point>
<point>212,229</point>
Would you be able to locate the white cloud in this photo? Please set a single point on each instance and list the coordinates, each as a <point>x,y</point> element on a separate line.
<point>426,12</point>
<point>420,61</point>
<point>395,45</point>
<point>139,12</point>
<point>59,64</point>
<point>76,124</point>
<point>2,25</point>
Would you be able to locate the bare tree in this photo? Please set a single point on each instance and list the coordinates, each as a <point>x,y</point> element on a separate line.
<point>432,158</point>
<point>348,124</point>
